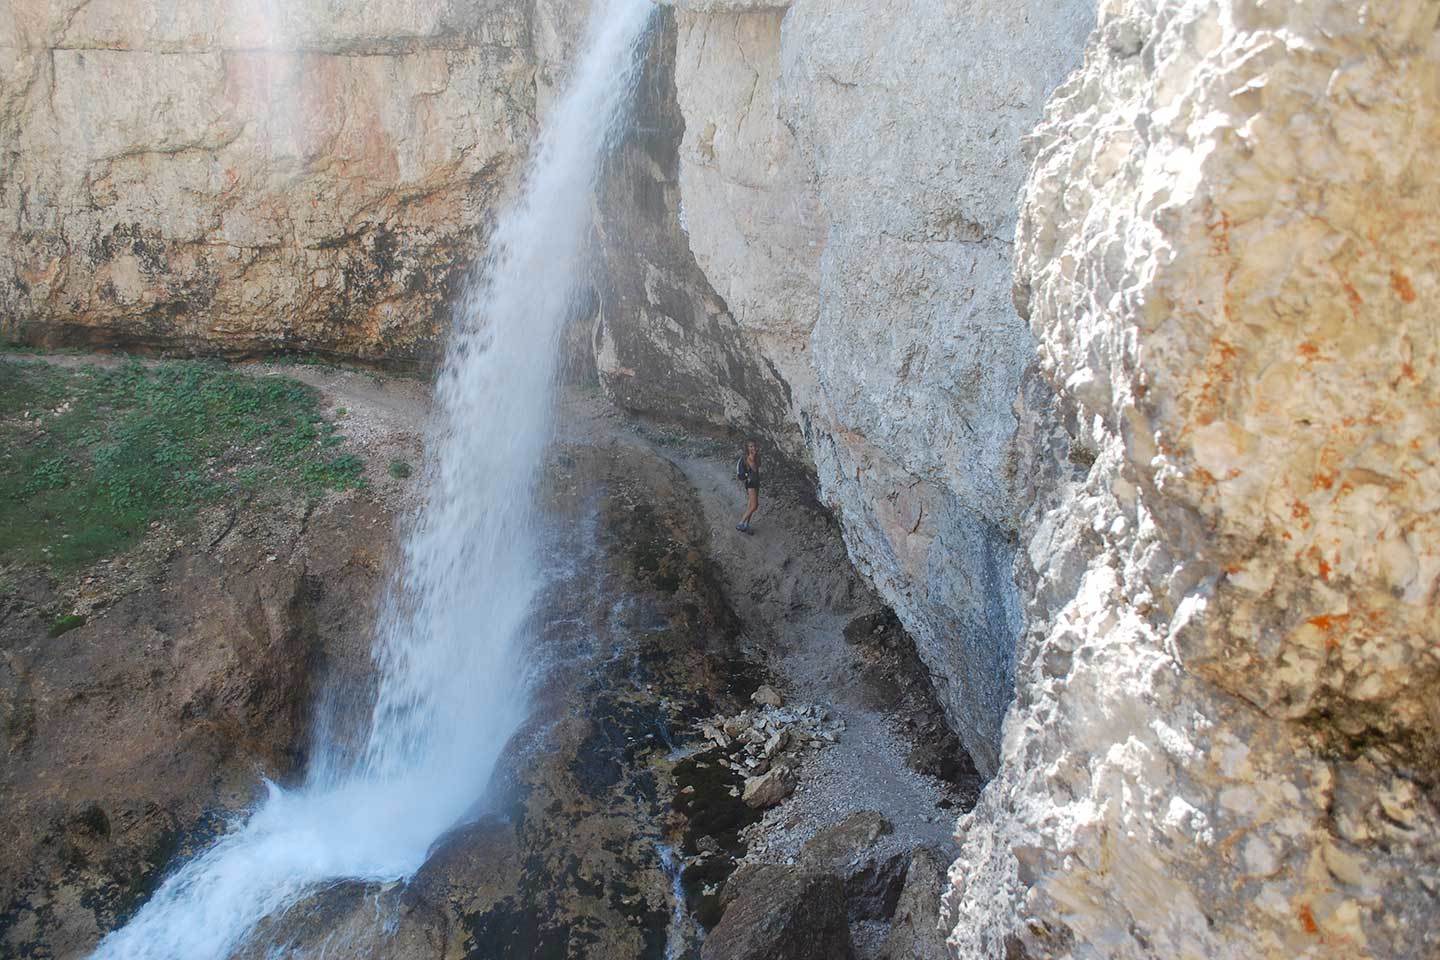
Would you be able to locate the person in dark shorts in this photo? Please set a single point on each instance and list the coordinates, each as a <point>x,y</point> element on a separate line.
<point>747,471</point>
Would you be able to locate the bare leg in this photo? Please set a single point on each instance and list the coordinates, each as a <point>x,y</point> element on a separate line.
<point>754,504</point>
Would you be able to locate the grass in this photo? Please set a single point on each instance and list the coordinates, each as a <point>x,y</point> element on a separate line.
<point>89,457</point>
<point>65,623</point>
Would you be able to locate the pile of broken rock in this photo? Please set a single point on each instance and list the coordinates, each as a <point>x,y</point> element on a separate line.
<point>767,744</point>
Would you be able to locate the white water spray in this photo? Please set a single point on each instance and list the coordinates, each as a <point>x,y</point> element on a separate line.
<point>450,659</point>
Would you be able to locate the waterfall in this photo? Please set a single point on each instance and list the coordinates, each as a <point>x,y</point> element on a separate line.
<point>452,636</point>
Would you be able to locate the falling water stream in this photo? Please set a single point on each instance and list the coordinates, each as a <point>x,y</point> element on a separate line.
<point>452,637</point>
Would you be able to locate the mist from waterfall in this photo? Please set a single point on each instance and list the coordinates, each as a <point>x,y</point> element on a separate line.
<point>451,654</point>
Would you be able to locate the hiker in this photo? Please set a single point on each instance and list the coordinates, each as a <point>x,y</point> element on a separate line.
<point>747,471</point>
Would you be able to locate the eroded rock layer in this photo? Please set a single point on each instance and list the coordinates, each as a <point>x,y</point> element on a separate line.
<point>1225,736</point>
<point>235,176</point>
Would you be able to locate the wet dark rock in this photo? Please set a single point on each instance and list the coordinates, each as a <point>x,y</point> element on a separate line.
<point>781,912</point>
<point>596,795</point>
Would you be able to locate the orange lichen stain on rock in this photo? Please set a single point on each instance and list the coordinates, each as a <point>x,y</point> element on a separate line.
<point>1217,375</point>
<point>1219,231</point>
<point>1329,468</point>
<point>1331,624</point>
<point>1321,565</point>
<point>1308,350</point>
<point>1299,511</point>
<point>1402,286</point>
<point>1352,294</point>
<point>1307,920</point>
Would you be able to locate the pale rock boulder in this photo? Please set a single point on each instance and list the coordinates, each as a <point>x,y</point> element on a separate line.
<point>243,176</point>
<point>847,182</point>
<point>1225,738</point>
<point>769,788</point>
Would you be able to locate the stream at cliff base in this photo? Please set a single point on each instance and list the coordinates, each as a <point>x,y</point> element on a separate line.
<point>451,658</point>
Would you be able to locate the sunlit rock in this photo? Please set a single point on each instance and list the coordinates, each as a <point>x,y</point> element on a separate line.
<point>236,176</point>
<point>1226,250</point>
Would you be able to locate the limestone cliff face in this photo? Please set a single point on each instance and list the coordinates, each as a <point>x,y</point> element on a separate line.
<point>1226,735</point>
<point>242,176</point>
<point>846,185</point>
<point>661,338</point>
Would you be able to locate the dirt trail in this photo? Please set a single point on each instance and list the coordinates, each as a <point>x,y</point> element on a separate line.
<point>795,571</point>
<point>792,583</point>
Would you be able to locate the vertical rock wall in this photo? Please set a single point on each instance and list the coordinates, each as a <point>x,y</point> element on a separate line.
<point>252,175</point>
<point>846,179</point>
<point>1226,732</point>
<point>662,339</point>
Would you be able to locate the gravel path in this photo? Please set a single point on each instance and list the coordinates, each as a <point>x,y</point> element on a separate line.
<point>795,566</point>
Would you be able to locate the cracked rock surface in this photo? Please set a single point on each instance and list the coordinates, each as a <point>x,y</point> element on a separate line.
<point>1224,741</point>
<point>240,178</point>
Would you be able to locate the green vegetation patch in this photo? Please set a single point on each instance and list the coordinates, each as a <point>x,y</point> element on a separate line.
<point>65,623</point>
<point>90,456</point>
